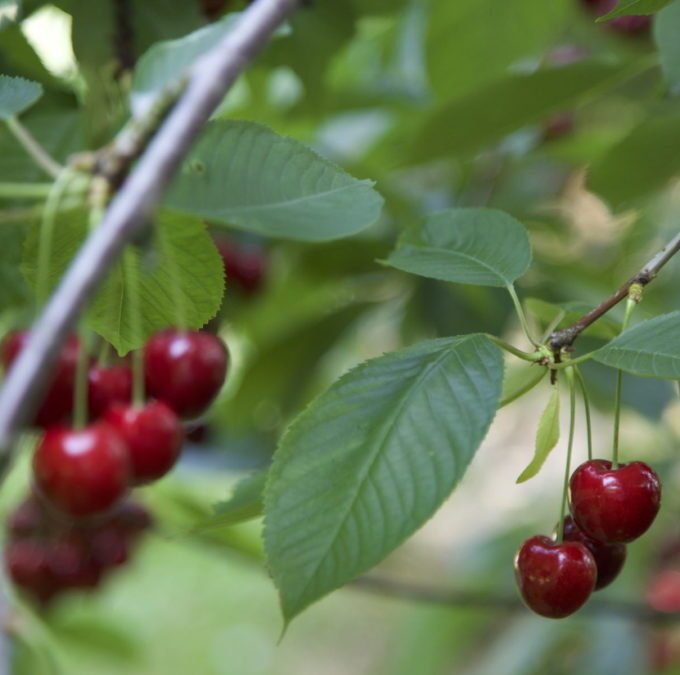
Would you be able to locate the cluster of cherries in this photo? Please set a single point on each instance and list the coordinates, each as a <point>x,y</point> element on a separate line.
<point>76,523</point>
<point>610,507</point>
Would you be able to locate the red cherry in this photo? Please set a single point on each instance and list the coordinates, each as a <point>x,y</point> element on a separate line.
<point>243,265</point>
<point>630,25</point>
<point>106,386</point>
<point>609,558</point>
<point>82,471</point>
<point>185,369</point>
<point>132,517</point>
<point>70,563</point>
<point>554,580</point>
<point>57,402</point>
<point>109,545</point>
<point>614,505</point>
<point>26,561</point>
<point>29,518</point>
<point>153,435</point>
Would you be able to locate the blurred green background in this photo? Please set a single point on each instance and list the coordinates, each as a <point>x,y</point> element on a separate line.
<point>523,105</point>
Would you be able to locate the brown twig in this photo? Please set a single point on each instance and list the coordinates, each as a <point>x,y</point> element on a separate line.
<point>476,600</point>
<point>564,339</point>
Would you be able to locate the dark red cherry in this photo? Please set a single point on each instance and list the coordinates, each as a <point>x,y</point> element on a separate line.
<point>26,561</point>
<point>106,386</point>
<point>82,471</point>
<point>243,265</point>
<point>185,369</point>
<point>132,517</point>
<point>57,401</point>
<point>554,580</point>
<point>609,558</point>
<point>628,25</point>
<point>614,505</point>
<point>28,519</point>
<point>70,563</point>
<point>153,435</point>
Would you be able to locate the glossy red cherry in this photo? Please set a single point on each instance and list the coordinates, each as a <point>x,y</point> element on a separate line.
<point>106,386</point>
<point>609,558</point>
<point>153,435</point>
<point>614,505</point>
<point>243,265</point>
<point>554,580</point>
<point>57,402</point>
<point>185,369</point>
<point>82,471</point>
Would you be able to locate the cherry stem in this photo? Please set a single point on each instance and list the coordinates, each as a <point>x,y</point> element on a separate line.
<point>49,215</point>
<point>520,314</point>
<point>80,390</point>
<point>104,356</point>
<point>131,271</point>
<point>586,405</point>
<point>630,306</point>
<point>570,444</point>
<point>39,155</point>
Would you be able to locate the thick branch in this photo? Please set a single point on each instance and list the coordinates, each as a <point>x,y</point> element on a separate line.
<point>566,337</point>
<point>472,600</point>
<point>209,79</point>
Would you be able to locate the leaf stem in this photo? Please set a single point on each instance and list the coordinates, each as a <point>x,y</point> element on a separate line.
<point>39,155</point>
<point>80,390</point>
<point>520,314</point>
<point>570,445</point>
<point>630,306</point>
<point>25,190</point>
<point>586,405</point>
<point>526,356</point>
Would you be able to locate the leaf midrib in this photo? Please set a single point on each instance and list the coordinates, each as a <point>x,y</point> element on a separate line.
<point>388,425</point>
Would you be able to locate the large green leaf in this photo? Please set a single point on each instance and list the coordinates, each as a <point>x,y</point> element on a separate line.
<point>179,280</point>
<point>14,293</point>
<point>547,435</point>
<point>369,461</point>
<point>165,61</point>
<point>472,42</point>
<point>478,246</point>
<point>635,8</point>
<point>644,161</point>
<point>243,174</point>
<point>17,94</point>
<point>650,349</point>
<point>467,125</point>
<point>666,29</point>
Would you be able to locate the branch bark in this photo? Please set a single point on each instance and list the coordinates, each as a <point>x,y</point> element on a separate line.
<point>471,600</point>
<point>565,338</point>
<point>209,79</point>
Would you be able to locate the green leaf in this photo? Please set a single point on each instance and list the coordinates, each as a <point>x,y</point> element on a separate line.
<point>642,162</point>
<point>666,28</point>
<point>244,504</point>
<point>165,61</point>
<point>370,460</point>
<point>518,380</point>
<point>546,437</point>
<point>472,42</point>
<point>180,279</point>
<point>244,175</point>
<point>16,95</point>
<point>635,8</point>
<point>14,293</point>
<point>650,349</point>
<point>478,246</point>
<point>464,126</point>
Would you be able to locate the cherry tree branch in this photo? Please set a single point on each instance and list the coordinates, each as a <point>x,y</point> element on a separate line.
<point>566,337</point>
<point>475,600</point>
<point>209,79</point>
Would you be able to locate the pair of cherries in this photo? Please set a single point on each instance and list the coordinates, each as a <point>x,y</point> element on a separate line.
<point>610,507</point>
<point>84,472</point>
<point>46,556</point>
